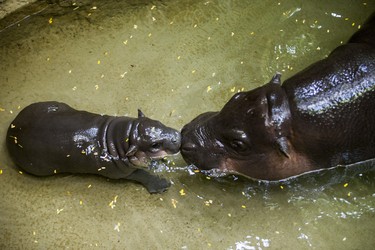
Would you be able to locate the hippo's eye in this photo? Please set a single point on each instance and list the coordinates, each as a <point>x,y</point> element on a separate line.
<point>238,145</point>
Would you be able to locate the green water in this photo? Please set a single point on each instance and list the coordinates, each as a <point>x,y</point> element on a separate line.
<point>174,60</point>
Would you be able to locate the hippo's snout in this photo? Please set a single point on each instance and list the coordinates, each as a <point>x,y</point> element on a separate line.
<point>175,142</point>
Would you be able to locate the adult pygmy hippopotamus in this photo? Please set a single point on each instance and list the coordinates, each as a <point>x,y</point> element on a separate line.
<point>321,117</point>
<point>50,137</point>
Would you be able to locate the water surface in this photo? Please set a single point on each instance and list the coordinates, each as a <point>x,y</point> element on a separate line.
<point>174,60</point>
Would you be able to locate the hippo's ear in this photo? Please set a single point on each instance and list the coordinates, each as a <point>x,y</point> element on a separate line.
<point>140,114</point>
<point>282,144</point>
<point>132,150</point>
<point>276,78</point>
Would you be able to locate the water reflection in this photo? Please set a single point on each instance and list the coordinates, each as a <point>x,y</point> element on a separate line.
<point>174,59</point>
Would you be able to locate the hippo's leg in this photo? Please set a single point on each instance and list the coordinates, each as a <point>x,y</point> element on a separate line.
<point>153,183</point>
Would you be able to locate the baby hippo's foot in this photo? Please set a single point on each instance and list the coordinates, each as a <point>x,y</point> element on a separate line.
<point>153,184</point>
<point>157,185</point>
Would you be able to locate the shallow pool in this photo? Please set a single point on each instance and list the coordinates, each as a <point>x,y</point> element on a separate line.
<point>174,60</point>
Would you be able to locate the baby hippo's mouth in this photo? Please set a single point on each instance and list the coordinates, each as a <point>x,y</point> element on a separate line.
<point>142,159</point>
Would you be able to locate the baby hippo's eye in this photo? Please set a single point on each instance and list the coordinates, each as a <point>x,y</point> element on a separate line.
<point>155,145</point>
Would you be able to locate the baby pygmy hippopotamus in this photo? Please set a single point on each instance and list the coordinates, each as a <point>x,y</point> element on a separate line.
<point>47,138</point>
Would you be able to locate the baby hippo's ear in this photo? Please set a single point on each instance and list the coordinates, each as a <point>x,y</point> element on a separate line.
<point>140,114</point>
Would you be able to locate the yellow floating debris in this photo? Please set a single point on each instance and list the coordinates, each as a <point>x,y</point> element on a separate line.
<point>112,204</point>
<point>117,227</point>
<point>346,184</point>
<point>174,203</point>
<point>208,203</point>
<point>182,192</point>
<point>50,21</point>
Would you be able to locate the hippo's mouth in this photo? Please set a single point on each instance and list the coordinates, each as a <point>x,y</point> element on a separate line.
<point>142,159</point>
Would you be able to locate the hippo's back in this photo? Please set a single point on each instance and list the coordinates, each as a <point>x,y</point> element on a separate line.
<point>333,102</point>
<point>46,136</point>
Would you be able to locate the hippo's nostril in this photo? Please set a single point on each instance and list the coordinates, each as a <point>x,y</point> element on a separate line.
<point>189,146</point>
<point>176,139</point>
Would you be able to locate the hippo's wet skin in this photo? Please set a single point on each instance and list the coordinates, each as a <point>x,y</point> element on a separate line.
<point>50,137</point>
<point>321,117</point>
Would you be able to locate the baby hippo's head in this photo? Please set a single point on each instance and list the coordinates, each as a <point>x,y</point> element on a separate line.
<point>150,139</point>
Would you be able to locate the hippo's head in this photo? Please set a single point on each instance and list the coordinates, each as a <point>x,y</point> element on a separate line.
<point>150,139</point>
<point>250,135</point>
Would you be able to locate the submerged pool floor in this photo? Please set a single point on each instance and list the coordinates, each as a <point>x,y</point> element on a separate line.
<point>174,60</point>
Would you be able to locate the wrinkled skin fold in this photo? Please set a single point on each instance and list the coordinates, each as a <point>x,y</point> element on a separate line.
<point>47,138</point>
<point>319,118</point>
